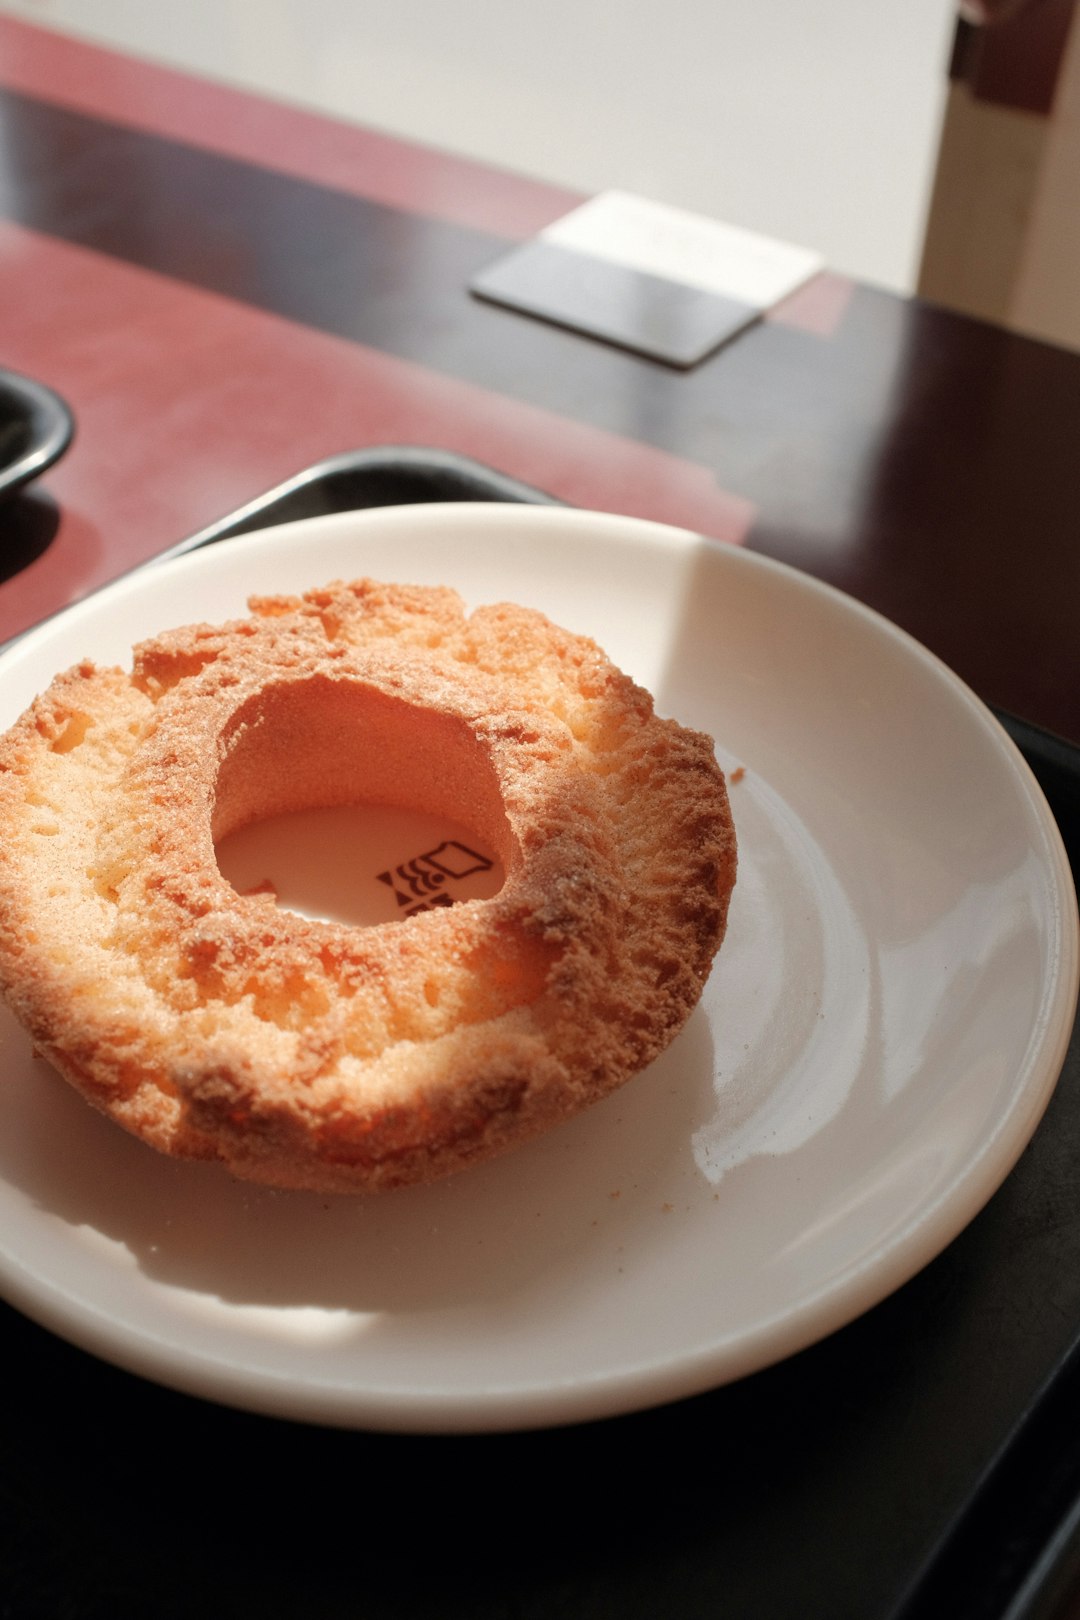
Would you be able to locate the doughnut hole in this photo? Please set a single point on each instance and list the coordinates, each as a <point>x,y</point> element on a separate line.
<point>344,803</point>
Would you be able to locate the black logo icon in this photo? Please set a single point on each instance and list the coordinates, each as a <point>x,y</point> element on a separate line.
<point>421,884</point>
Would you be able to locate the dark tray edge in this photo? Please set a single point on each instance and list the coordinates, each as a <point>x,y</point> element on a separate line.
<point>390,475</point>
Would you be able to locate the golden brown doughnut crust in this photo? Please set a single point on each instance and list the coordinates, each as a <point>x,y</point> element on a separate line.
<point>311,1054</point>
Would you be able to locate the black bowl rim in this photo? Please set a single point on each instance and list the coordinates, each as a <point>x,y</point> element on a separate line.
<point>51,423</point>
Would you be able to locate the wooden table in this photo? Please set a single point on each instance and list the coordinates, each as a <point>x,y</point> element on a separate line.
<point>227,291</point>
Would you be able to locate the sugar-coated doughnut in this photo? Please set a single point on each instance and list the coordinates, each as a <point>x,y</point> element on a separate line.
<point>309,1054</point>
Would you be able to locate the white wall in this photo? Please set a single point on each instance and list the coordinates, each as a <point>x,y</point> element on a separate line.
<point>813,120</point>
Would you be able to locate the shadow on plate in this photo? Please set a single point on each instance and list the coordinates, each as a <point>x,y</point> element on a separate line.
<point>597,1184</point>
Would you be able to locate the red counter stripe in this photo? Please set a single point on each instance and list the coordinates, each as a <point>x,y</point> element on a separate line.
<point>198,403</point>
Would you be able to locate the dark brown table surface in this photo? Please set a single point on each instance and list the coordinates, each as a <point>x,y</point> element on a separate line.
<point>226,291</point>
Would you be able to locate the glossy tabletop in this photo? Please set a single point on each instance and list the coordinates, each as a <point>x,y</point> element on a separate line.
<point>227,291</point>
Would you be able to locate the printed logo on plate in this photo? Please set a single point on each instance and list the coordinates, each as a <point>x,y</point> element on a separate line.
<point>428,880</point>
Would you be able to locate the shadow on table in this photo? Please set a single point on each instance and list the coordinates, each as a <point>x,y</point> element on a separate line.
<point>28,524</point>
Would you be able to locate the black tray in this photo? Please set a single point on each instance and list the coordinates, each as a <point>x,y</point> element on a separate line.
<point>923,1462</point>
<point>384,475</point>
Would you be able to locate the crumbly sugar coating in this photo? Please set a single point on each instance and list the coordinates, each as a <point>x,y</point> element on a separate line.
<point>315,1055</point>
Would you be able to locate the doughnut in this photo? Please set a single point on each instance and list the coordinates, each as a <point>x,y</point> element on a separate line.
<point>306,1054</point>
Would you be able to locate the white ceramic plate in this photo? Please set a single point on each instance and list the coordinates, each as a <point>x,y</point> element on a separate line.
<point>883,1029</point>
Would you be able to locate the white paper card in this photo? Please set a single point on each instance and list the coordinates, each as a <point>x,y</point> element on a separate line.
<point>676,245</point>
